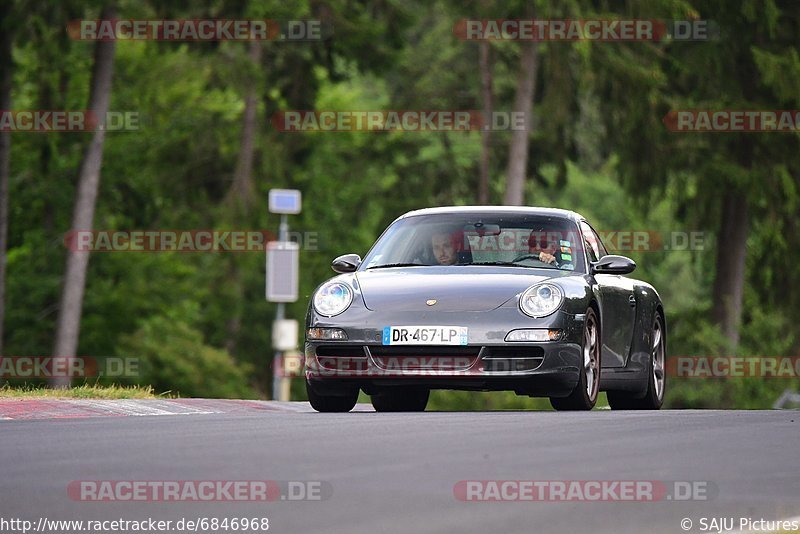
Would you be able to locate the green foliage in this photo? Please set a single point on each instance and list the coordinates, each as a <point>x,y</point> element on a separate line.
<point>173,357</point>
<point>480,401</point>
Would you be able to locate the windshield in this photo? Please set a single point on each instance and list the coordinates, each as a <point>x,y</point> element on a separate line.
<point>510,240</point>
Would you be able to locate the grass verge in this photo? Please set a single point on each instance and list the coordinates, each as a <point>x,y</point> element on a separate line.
<point>79,392</point>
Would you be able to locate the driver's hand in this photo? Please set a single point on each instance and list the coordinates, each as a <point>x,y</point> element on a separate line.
<point>547,258</point>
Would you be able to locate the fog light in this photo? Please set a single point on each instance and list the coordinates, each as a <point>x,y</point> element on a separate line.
<point>533,334</point>
<point>326,334</point>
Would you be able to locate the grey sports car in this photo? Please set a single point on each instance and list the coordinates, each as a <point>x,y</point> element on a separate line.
<point>485,299</point>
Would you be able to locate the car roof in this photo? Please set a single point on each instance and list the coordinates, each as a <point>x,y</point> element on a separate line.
<point>529,210</point>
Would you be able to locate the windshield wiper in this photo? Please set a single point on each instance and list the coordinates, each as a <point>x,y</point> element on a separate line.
<point>387,265</point>
<point>511,264</point>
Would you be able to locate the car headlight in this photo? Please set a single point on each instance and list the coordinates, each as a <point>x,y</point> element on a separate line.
<point>332,299</point>
<point>541,300</point>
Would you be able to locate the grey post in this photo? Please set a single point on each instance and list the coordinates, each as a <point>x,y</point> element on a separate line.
<point>280,314</point>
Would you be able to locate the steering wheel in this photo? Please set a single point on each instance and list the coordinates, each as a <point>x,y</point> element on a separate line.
<point>533,257</point>
<point>527,257</point>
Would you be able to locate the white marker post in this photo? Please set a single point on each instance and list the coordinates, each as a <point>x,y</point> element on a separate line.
<point>282,281</point>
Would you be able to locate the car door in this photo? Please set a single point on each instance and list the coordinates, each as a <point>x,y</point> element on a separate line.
<point>618,306</point>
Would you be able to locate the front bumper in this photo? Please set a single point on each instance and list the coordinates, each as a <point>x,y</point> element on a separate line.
<point>487,363</point>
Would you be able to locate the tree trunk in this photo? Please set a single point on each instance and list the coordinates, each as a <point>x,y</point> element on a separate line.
<point>233,326</point>
<point>523,103</point>
<point>731,252</point>
<point>485,66</point>
<point>242,188</point>
<point>69,316</point>
<point>6,70</point>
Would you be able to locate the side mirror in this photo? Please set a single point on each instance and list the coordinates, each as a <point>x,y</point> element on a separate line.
<point>613,264</point>
<point>346,264</point>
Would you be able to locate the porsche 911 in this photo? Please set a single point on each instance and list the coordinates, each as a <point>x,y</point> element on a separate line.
<point>485,299</point>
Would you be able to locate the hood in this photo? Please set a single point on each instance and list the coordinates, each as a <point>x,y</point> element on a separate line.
<point>454,288</point>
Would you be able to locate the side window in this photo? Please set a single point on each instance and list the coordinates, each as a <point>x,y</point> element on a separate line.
<point>601,248</point>
<point>591,242</point>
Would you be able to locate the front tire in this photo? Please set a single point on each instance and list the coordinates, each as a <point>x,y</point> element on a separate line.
<point>584,396</point>
<point>401,400</point>
<point>656,381</point>
<point>332,403</point>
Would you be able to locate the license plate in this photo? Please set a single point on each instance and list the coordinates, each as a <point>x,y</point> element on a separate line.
<point>425,335</point>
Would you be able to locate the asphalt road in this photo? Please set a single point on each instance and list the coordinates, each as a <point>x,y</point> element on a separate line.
<point>396,472</point>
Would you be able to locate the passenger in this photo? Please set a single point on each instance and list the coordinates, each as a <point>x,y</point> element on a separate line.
<point>544,249</point>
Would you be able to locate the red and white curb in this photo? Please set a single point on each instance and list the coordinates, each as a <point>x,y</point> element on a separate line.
<point>27,409</point>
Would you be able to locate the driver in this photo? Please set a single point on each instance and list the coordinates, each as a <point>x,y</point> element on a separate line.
<point>444,246</point>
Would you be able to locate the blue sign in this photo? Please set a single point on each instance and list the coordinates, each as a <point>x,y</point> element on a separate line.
<point>285,201</point>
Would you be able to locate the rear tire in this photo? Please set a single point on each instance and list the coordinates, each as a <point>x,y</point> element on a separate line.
<point>657,380</point>
<point>401,400</point>
<point>331,403</point>
<point>584,396</point>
